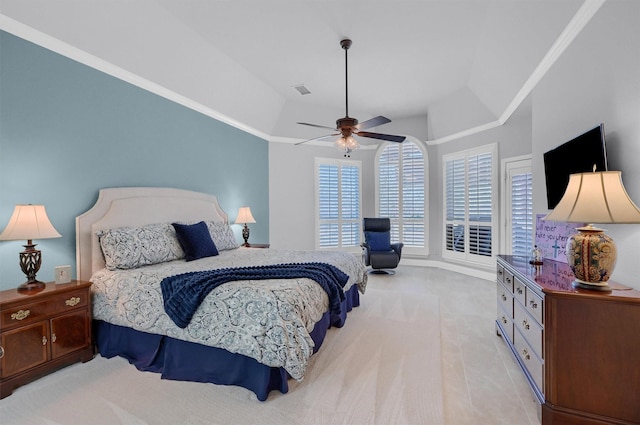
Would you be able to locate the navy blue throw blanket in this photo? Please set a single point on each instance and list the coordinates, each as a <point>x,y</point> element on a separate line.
<point>183,293</point>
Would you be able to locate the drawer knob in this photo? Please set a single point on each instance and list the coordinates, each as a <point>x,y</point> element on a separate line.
<point>1,352</point>
<point>53,337</point>
<point>504,320</point>
<point>504,298</point>
<point>44,340</point>
<point>72,301</point>
<point>519,290</point>
<point>525,324</point>
<point>508,279</point>
<point>20,315</point>
<point>525,354</point>
<point>533,304</point>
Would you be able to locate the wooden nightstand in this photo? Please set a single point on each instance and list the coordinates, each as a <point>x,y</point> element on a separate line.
<point>43,331</point>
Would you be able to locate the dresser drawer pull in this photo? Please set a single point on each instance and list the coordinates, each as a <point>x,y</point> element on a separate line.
<point>499,272</point>
<point>525,324</point>
<point>525,354</point>
<point>44,340</point>
<point>504,298</point>
<point>1,352</point>
<point>519,290</point>
<point>508,279</point>
<point>20,315</point>
<point>533,304</point>
<point>53,337</point>
<point>504,320</point>
<point>72,301</point>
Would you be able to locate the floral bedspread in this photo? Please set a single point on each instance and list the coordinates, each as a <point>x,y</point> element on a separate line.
<point>268,320</point>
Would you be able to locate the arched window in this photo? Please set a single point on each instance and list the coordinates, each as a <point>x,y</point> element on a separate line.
<point>401,193</point>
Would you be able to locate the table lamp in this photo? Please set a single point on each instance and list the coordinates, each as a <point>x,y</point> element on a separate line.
<point>29,222</point>
<point>598,197</point>
<point>244,217</point>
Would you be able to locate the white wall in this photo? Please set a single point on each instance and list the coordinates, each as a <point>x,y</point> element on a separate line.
<point>597,80</point>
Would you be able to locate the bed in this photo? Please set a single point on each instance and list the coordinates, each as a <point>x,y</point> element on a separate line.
<point>257,330</point>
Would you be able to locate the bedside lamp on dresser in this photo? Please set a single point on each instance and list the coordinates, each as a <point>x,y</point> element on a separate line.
<point>29,222</point>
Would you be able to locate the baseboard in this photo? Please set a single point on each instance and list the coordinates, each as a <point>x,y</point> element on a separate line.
<point>481,274</point>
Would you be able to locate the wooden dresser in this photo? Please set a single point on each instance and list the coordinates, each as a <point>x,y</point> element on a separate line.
<point>44,331</point>
<point>578,348</point>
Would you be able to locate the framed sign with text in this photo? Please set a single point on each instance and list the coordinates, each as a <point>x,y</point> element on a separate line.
<point>551,237</point>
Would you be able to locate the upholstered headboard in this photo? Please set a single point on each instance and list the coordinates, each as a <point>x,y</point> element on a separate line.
<point>135,207</point>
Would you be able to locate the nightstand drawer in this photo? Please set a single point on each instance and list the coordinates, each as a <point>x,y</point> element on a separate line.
<point>29,313</point>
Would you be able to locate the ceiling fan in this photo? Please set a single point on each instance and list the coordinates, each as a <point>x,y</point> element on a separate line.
<point>346,127</point>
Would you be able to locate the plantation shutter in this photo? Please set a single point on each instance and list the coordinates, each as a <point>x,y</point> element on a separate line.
<point>401,192</point>
<point>455,205</point>
<point>520,224</point>
<point>469,204</point>
<point>480,204</point>
<point>339,217</point>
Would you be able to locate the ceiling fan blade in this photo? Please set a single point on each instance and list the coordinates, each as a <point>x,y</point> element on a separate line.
<point>321,138</point>
<point>316,125</point>
<point>379,136</point>
<point>373,122</point>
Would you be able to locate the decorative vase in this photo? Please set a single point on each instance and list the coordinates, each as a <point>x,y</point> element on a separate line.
<point>592,256</point>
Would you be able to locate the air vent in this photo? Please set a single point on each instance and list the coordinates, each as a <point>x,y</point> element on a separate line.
<point>301,89</point>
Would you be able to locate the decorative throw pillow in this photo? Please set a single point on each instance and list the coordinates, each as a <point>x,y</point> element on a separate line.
<point>195,240</point>
<point>131,247</point>
<point>222,235</point>
<point>378,241</point>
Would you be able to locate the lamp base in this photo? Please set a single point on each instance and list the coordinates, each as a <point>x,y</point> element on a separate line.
<point>592,286</point>
<point>592,256</point>
<point>31,286</point>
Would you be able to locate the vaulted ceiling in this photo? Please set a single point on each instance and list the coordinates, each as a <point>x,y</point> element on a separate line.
<point>452,63</point>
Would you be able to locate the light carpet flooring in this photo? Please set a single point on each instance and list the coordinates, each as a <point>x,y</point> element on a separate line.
<point>421,349</point>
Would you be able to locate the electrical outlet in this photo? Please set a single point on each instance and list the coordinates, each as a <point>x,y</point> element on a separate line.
<point>63,274</point>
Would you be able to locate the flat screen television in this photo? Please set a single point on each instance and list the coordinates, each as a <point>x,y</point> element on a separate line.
<point>578,155</point>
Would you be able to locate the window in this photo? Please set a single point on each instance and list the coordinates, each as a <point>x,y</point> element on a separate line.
<point>338,203</point>
<point>518,206</point>
<point>469,205</point>
<point>401,193</point>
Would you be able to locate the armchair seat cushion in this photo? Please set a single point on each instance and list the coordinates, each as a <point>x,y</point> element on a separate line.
<point>384,260</point>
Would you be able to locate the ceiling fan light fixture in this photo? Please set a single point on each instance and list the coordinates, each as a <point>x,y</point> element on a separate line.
<point>347,144</point>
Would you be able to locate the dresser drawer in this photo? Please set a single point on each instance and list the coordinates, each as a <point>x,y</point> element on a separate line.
<point>506,323</point>
<point>505,299</point>
<point>500,273</point>
<point>529,328</point>
<point>32,312</point>
<point>535,306</point>
<point>508,280</point>
<point>519,290</point>
<point>534,365</point>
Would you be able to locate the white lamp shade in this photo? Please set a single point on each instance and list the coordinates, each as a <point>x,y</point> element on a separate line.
<point>245,216</point>
<point>29,222</point>
<point>598,197</point>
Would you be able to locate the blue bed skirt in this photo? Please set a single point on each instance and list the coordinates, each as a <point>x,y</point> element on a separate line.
<point>188,361</point>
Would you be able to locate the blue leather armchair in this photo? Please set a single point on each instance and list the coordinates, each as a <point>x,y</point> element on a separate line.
<point>377,249</point>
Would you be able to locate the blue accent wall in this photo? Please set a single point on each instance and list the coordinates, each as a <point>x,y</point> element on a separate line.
<point>68,130</point>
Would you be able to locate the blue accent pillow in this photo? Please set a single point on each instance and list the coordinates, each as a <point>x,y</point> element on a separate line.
<point>378,241</point>
<point>195,240</point>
